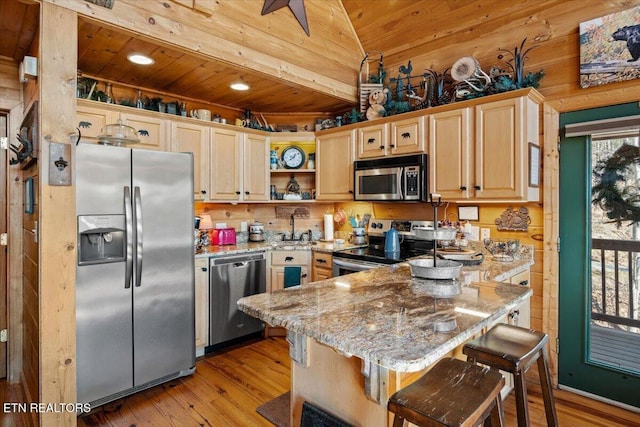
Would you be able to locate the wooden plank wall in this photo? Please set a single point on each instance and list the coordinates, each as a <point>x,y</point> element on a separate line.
<point>265,213</point>
<point>57,228</point>
<point>31,293</point>
<point>11,100</point>
<point>551,25</point>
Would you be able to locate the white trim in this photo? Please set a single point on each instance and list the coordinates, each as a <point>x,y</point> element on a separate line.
<point>600,398</point>
<point>615,125</point>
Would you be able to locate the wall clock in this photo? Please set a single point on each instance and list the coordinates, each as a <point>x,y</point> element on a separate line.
<point>293,157</point>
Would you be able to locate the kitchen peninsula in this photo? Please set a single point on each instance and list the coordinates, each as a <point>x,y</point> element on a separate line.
<point>358,338</point>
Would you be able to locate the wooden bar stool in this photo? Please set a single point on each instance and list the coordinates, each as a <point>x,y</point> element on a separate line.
<point>514,349</point>
<point>452,393</point>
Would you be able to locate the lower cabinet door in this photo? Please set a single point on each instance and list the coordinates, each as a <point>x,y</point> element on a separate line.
<point>202,302</point>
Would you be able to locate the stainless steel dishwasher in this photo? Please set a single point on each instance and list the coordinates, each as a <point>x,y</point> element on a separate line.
<point>231,278</point>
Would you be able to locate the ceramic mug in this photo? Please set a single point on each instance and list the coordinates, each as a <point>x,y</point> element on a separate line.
<point>201,114</point>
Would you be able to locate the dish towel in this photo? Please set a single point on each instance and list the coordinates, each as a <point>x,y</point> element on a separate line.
<point>292,276</point>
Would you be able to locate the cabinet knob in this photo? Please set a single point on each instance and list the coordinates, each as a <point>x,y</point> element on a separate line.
<point>238,193</point>
<point>463,188</point>
<point>246,192</point>
<point>304,275</point>
<point>382,147</point>
<point>203,268</point>
<point>321,261</point>
<point>351,191</point>
<point>288,259</point>
<point>392,145</point>
<point>406,135</point>
<point>203,191</point>
<point>524,283</point>
<point>477,187</point>
<point>371,141</point>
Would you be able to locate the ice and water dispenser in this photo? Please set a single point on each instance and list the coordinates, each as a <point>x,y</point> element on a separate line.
<point>101,239</point>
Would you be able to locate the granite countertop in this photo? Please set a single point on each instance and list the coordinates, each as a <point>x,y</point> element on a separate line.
<point>386,317</point>
<point>240,248</point>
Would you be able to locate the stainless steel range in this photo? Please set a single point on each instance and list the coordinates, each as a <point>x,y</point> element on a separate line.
<point>352,260</point>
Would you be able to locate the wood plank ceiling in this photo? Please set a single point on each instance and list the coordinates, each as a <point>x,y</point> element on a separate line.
<point>288,71</point>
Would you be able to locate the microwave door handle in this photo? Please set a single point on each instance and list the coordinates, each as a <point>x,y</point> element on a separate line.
<point>401,183</point>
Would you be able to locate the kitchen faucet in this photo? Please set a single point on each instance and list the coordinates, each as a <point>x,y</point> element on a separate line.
<point>292,222</point>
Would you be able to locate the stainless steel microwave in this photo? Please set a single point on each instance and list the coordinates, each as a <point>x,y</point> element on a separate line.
<point>398,178</point>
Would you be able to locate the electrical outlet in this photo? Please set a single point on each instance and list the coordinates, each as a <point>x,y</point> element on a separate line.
<point>475,233</point>
<point>485,233</point>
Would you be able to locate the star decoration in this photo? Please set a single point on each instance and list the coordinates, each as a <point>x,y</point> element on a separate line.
<point>296,7</point>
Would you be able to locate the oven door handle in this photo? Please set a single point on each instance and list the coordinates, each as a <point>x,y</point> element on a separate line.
<point>356,266</point>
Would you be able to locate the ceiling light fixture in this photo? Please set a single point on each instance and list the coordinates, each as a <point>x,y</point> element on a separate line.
<point>239,86</point>
<point>138,58</point>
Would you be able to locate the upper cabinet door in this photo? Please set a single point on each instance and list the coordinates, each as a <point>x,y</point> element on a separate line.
<point>152,131</point>
<point>224,164</point>
<point>373,141</point>
<point>92,120</point>
<point>334,169</point>
<point>501,148</point>
<point>408,136</point>
<point>255,168</point>
<point>451,153</point>
<point>194,138</point>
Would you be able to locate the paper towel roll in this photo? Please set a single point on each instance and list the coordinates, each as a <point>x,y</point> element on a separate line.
<point>328,226</point>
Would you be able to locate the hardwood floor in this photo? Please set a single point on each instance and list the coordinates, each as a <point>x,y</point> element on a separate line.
<point>229,385</point>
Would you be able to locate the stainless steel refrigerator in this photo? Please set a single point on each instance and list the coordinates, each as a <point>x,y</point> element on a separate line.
<point>135,322</point>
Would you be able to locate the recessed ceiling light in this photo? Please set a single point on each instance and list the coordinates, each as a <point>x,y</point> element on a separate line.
<point>140,59</point>
<point>239,86</point>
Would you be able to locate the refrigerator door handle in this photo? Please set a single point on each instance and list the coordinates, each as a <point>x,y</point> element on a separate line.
<point>128,215</point>
<point>138,220</point>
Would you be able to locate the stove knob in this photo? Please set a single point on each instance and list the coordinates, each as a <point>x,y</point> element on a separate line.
<point>373,225</point>
<point>379,225</point>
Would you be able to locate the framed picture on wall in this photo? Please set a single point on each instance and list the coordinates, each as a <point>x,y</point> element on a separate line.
<point>610,48</point>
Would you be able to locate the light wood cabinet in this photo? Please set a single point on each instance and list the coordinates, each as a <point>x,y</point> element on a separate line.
<point>152,131</point>
<point>373,141</point>
<point>450,152</point>
<point>481,153</point>
<point>334,171</point>
<point>194,138</point>
<point>397,137</point>
<point>408,136</point>
<point>282,259</point>
<point>92,119</point>
<point>202,301</point>
<point>224,165</point>
<point>238,166</point>
<point>521,316</point>
<point>321,266</point>
<point>255,166</point>
<point>504,130</point>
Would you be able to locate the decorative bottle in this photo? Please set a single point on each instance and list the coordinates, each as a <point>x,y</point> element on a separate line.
<point>108,92</point>
<point>139,103</point>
